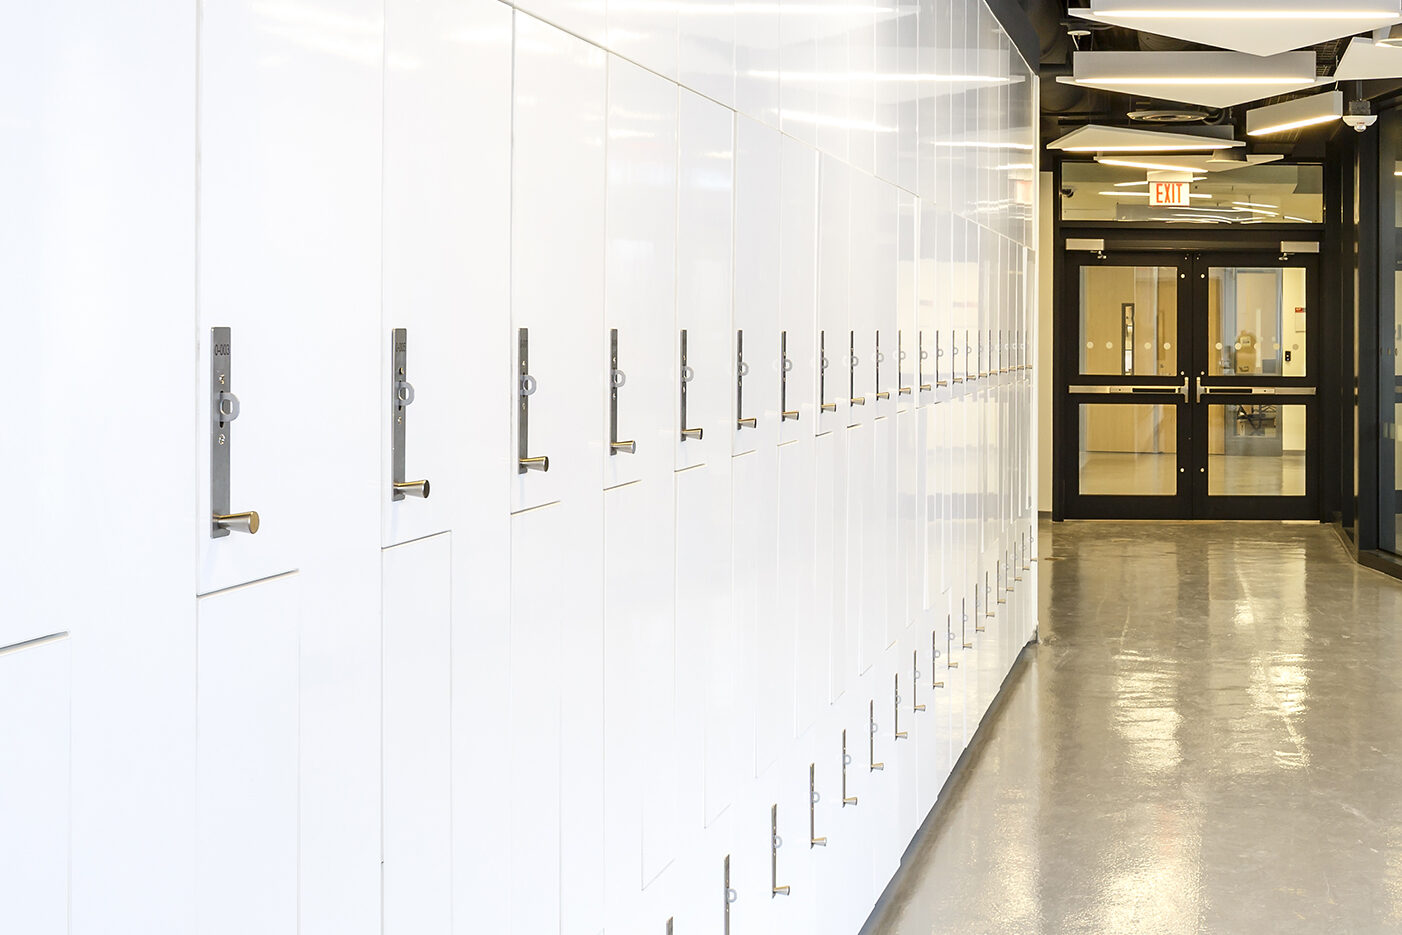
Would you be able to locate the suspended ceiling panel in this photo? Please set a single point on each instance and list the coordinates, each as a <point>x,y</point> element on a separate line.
<point>1212,79</point>
<point>1364,60</point>
<point>1094,138</point>
<point>1260,27</point>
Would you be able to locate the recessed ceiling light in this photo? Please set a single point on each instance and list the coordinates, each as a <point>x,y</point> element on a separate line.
<point>1292,115</point>
<point>1248,13</point>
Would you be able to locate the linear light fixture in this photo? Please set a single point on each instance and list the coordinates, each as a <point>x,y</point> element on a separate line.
<point>1251,13</point>
<point>1292,115</point>
<point>1137,164</point>
<point>1253,206</point>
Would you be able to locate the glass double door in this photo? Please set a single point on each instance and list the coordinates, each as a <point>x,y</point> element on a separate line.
<point>1187,389</point>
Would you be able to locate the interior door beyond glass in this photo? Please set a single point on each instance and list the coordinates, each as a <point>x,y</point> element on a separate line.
<point>1126,402</point>
<point>1253,386</point>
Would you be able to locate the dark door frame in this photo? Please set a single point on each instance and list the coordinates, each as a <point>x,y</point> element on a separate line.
<point>1160,247</point>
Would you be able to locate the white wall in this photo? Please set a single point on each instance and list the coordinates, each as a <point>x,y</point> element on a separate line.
<point>560,701</point>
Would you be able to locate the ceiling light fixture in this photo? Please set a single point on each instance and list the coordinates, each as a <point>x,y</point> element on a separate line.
<point>1254,205</point>
<point>1393,39</point>
<point>1136,164</point>
<point>1257,27</point>
<point>1095,138</point>
<point>1292,115</point>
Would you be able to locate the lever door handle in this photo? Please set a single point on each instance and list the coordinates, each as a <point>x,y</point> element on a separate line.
<point>238,522</point>
<point>616,379</point>
<point>412,488</point>
<point>527,386</point>
<point>883,394</point>
<point>747,423</point>
<point>224,410</point>
<point>829,407</point>
<point>401,393</point>
<point>789,415</point>
<point>691,433</point>
<point>904,391</point>
<point>859,400</point>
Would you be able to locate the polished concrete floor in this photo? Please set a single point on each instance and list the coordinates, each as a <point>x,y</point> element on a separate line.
<point>1207,738</point>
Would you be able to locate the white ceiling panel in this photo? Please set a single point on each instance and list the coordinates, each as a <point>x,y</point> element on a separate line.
<point>1363,60</point>
<point>1211,79</point>
<point>1094,138</point>
<point>1260,27</point>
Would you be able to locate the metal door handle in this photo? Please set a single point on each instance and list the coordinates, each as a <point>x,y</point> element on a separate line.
<point>871,738</point>
<point>775,842</point>
<point>616,380</point>
<point>829,407</point>
<point>881,394</point>
<point>526,387</point>
<point>846,799</point>
<point>813,839</point>
<point>224,409</point>
<point>785,365</point>
<point>237,522</point>
<point>401,393</point>
<point>859,400</point>
<point>896,712</point>
<point>687,375</point>
<point>741,368</point>
<point>904,390</point>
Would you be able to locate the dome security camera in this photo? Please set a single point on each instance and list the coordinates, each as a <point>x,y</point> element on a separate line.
<point>1360,115</point>
<point>1360,122</point>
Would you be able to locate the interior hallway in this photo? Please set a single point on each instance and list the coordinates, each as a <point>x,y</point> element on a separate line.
<point>1208,738</point>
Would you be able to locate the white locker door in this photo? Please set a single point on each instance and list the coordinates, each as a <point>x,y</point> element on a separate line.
<point>798,236</point>
<point>885,297</point>
<point>247,724</point>
<point>834,578</point>
<point>446,164</point>
<point>768,644</point>
<point>882,554</point>
<point>799,582</point>
<point>417,737</point>
<point>555,718</point>
<point>707,664</point>
<point>758,290</point>
<point>910,293</point>
<point>557,261</point>
<point>834,271</point>
<point>911,507</point>
<point>705,201</point>
<point>859,345</point>
<point>640,279</point>
<point>289,253</point>
<point>640,740</point>
<point>865,572</point>
<point>35,739</point>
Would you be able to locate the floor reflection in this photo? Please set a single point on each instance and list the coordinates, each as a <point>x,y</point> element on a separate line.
<point>1207,740</point>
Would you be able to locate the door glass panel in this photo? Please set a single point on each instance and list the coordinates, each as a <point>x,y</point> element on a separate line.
<point>1256,450</point>
<point>1129,320</point>
<point>1129,449</point>
<point>1256,321</point>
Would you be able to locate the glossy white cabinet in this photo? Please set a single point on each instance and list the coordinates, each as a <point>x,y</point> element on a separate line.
<point>542,701</point>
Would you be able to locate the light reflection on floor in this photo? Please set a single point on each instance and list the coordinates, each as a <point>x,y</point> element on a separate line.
<point>1207,740</point>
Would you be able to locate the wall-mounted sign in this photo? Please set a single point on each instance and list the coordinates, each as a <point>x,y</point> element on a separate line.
<point>1168,194</point>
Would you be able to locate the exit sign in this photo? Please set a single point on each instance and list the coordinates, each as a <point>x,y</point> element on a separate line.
<point>1168,194</point>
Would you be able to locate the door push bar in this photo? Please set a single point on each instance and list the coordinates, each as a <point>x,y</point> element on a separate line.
<point>1254,391</point>
<point>1099,390</point>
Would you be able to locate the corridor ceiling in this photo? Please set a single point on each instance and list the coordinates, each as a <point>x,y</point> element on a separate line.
<point>1134,87</point>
